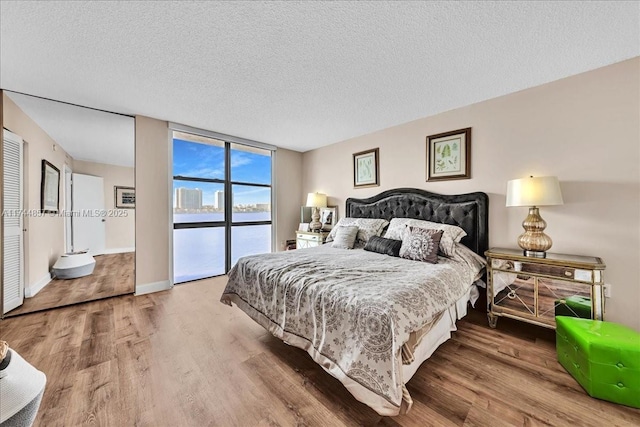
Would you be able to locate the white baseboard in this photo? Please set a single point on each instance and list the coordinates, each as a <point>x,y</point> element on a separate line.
<point>117,251</point>
<point>148,288</point>
<point>31,290</point>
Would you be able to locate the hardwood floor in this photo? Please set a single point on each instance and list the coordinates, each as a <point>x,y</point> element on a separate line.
<point>181,358</point>
<point>113,275</point>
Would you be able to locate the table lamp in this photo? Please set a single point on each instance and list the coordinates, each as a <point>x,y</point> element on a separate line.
<point>534,192</point>
<point>315,201</point>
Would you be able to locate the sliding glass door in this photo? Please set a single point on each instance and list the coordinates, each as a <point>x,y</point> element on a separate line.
<point>211,231</point>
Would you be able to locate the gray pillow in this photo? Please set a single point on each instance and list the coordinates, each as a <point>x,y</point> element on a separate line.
<point>421,244</point>
<point>345,237</point>
<point>384,246</point>
<point>367,227</point>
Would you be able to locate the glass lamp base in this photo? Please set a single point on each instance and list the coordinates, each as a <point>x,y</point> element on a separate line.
<point>315,227</point>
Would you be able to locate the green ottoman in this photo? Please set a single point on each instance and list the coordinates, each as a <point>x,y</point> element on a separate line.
<point>603,357</point>
<point>575,305</point>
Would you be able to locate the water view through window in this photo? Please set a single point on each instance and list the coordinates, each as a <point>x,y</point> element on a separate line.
<point>210,232</point>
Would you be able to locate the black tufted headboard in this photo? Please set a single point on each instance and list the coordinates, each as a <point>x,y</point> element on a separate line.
<point>468,211</point>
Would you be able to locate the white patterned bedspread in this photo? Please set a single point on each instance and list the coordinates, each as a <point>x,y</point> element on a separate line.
<point>352,310</point>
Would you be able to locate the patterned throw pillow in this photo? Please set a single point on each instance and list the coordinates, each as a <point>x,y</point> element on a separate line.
<point>421,244</point>
<point>452,234</point>
<point>367,227</point>
<point>345,237</point>
<point>384,246</point>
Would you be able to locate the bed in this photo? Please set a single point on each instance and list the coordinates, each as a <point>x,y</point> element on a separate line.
<point>369,319</point>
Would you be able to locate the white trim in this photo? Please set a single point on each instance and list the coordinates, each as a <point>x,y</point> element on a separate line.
<point>31,290</point>
<point>148,288</point>
<point>118,251</point>
<point>221,136</point>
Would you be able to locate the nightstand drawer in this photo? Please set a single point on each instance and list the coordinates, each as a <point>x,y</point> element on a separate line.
<point>313,238</point>
<point>567,273</point>
<point>306,239</point>
<point>548,270</point>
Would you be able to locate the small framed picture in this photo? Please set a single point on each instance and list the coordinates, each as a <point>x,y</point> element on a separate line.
<point>449,155</point>
<point>366,169</point>
<point>328,217</point>
<point>125,197</point>
<point>303,226</point>
<point>49,188</point>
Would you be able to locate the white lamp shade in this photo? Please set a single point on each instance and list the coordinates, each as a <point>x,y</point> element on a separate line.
<point>538,191</point>
<point>317,200</point>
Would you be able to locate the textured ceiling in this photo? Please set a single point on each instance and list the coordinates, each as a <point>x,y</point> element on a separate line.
<point>302,75</point>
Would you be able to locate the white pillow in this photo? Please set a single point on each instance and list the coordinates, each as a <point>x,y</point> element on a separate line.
<point>452,233</point>
<point>345,237</point>
<point>367,227</point>
<point>475,261</point>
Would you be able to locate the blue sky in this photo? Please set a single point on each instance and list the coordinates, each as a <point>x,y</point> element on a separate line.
<point>207,161</point>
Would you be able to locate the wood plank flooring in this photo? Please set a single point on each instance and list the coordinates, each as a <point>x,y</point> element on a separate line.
<point>181,358</point>
<point>113,275</point>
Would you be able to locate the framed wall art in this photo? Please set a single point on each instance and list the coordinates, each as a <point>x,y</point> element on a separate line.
<point>449,155</point>
<point>125,197</point>
<point>49,188</point>
<point>366,169</point>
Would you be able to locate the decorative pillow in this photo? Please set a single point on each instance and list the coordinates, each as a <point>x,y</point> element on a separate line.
<point>452,234</point>
<point>345,237</point>
<point>383,246</point>
<point>367,227</point>
<point>421,244</point>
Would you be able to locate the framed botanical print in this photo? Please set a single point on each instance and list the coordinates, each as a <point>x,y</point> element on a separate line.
<point>449,155</point>
<point>366,169</point>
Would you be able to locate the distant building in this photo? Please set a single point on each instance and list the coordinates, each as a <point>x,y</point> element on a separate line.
<point>188,198</point>
<point>264,207</point>
<point>219,200</point>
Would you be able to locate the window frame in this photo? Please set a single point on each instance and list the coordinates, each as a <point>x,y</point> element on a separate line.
<point>228,184</point>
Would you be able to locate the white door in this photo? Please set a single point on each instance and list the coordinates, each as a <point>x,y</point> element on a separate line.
<point>88,223</point>
<point>13,256</point>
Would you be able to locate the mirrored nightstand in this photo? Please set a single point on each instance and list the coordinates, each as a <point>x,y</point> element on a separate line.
<point>535,290</point>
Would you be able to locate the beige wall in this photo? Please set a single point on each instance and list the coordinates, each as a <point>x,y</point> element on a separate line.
<point>119,230</point>
<point>152,204</point>
<point>44,241</point>
<point>584,129</point>
<point>288,182</point>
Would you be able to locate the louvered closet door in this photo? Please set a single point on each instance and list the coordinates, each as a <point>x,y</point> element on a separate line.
<point>12,192</point>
